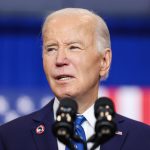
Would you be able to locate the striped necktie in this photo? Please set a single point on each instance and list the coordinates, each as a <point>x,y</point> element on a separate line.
<point>79,131</point>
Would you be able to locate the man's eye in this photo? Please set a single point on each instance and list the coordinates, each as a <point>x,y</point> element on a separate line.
<point>49,49</point>
<point>74,47</point>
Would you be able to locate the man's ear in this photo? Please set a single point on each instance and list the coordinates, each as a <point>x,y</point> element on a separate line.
<point>105,62</point>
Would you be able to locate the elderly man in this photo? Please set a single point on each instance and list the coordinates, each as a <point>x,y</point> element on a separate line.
<point>76,55</point>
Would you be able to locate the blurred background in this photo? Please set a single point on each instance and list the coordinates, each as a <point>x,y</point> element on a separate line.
<point>23,86</point>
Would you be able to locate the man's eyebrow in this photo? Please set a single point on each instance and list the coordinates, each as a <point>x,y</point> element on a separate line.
<point>51,44</point>
<point>74,42</point>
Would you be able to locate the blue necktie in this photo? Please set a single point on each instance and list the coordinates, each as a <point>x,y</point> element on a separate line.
<point>79,131</point>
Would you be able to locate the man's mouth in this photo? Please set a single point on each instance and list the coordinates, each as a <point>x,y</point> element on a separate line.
<point>64,77</point>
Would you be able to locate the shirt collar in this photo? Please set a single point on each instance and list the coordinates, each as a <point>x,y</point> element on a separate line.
<point>55,107</point>
<point>89,115</point>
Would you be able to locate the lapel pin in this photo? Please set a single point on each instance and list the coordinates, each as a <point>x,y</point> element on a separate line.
<point>118,133</point>
<point>40,129</point>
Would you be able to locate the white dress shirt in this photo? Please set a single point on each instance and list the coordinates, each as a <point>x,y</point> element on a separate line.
<point>88,125</point>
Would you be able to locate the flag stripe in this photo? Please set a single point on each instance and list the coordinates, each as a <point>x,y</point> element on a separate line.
<point>146,106</point>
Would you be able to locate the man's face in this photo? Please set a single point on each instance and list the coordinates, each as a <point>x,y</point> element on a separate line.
<point>70,58</point>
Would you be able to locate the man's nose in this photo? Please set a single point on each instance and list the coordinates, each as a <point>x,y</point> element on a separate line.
<point>61,58</point>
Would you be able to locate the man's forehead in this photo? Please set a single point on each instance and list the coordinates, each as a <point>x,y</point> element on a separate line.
<point>69,32</point>
<point>79,34</point>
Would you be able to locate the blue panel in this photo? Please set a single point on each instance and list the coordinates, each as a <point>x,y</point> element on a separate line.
<point>130,63</point>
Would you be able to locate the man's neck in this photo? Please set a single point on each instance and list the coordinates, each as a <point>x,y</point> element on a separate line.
<point>85,103</point>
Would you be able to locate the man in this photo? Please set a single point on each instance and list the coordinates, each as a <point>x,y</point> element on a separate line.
<point>76,55</point>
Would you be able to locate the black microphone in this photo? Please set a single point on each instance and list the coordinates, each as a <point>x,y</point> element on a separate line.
<point>105,126</point>
<point>63,128</point>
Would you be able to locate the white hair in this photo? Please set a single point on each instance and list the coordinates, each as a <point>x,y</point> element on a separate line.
<point>101,29</point>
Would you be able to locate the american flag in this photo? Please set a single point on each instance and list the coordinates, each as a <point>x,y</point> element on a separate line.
<point>130,101</point>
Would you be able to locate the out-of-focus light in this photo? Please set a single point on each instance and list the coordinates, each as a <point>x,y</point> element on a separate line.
<point>4,106</point>
<point>25,105</point>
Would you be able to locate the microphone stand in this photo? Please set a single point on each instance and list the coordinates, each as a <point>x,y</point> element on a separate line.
<point>95,140</point>
<point>101,137</point>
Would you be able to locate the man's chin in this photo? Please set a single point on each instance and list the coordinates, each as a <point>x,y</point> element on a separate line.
<point>62,96</point>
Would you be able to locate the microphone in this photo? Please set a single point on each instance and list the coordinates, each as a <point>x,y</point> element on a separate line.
<point>63,128</point>
<point>105,126</point>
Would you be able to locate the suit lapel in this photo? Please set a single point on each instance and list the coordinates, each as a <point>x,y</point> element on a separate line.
<point>117,141</point>
<point>45,139</point>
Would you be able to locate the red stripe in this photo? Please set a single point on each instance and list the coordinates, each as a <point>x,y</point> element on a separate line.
<point>146,105</point>
<point>112,95</point>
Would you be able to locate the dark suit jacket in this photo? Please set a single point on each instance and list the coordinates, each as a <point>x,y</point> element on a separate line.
<point>20,134</point>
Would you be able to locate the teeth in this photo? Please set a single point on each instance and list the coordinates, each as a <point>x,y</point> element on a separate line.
<point>64,78</point>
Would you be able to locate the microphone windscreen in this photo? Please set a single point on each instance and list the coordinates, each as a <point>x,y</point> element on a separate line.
<point>63,128</point>
<point>68,103</point>
<point>103,102</point>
